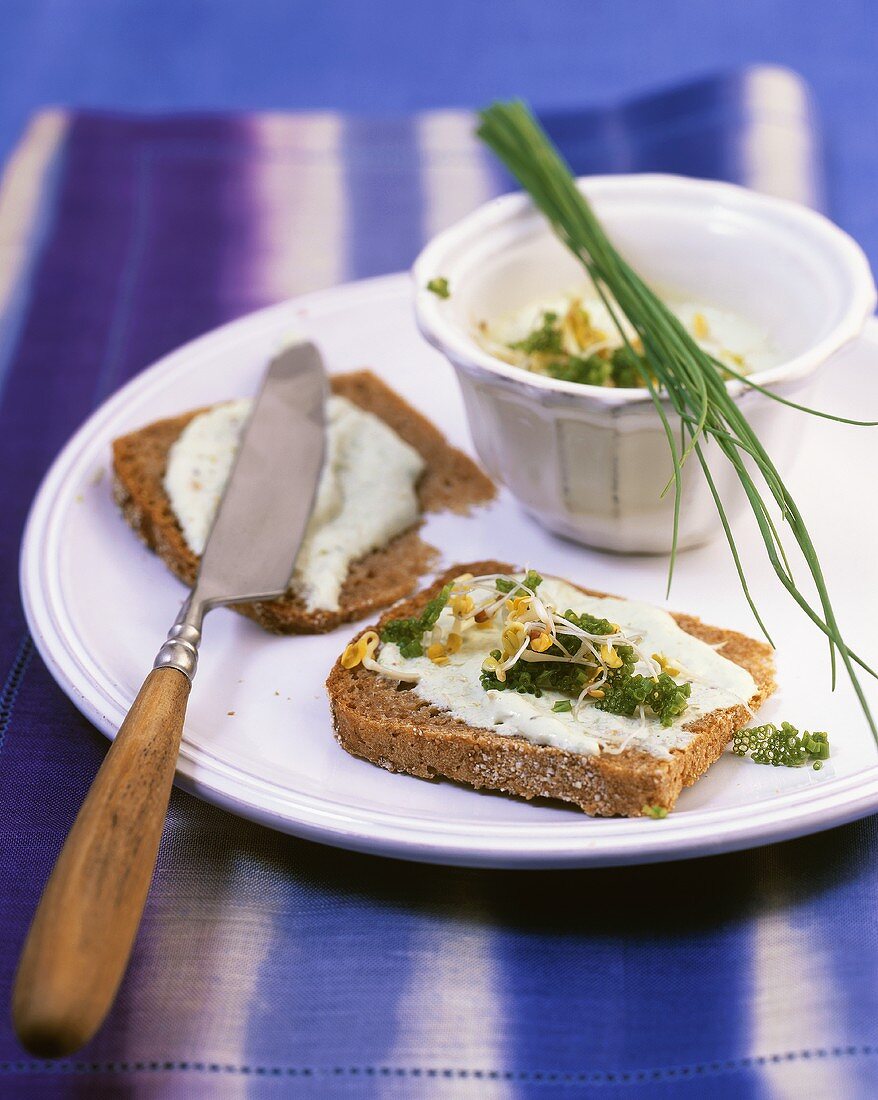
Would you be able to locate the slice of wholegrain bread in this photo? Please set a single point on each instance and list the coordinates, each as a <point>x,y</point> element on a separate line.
<point>450,482</point>
<point>390,725</point>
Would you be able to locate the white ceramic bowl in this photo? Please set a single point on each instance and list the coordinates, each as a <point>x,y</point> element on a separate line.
<point>589,462</point>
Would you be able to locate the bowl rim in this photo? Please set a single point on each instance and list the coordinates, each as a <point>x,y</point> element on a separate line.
<point>462,349</point>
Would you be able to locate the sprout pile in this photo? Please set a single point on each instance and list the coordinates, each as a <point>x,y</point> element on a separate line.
<point>590,660</point>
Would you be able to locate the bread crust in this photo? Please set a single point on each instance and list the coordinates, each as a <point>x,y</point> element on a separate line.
<point>450,482</point>
<point>394,728</point>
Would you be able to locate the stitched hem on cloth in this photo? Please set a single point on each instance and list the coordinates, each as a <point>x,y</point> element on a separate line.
<point>13,683</point>
<point>548,1077</point>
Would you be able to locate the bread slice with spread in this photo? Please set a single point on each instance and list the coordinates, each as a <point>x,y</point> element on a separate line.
<point>539,688</point>
<point>387,465</point>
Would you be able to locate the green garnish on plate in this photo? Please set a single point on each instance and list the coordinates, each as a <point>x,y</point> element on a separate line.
<point>676,370</point>
<point>782,747</point>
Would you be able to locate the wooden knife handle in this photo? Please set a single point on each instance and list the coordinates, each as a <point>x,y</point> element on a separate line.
<point>85,924</point>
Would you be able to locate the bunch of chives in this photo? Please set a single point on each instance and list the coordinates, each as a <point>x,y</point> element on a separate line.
<point>679,372</point>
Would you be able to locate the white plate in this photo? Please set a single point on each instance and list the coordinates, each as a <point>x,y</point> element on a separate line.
<point>258,740</point>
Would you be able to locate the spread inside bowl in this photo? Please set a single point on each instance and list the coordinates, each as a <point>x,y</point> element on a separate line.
<point>573,337</point>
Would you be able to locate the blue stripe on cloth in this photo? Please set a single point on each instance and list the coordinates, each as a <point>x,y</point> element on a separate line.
<point>674,132</point>
<point>266,964</point>
<point>651,966</point>
<point>722,128</point>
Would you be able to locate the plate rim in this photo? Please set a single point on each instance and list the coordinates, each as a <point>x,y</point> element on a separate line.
<point>617,841</point>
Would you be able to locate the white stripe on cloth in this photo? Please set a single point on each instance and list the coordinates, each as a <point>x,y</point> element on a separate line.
<point>198,968</point>
<point>795,1006</point>
<point>24,193</point>
<point>780,147</point>
<point>296,182</point>
<point>455,172</point>
<point>452,1006</point>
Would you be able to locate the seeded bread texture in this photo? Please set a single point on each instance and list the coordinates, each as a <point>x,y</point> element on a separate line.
<point>390,725</point>
<point>450,482</point>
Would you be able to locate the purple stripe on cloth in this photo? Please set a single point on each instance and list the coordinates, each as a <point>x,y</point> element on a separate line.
<point>382,178</point>
<point>266,964</point>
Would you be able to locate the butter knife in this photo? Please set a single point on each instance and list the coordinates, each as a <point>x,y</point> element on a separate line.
<point>84,927</point>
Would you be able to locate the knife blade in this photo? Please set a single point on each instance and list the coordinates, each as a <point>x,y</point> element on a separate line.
<point>261,520</point>
<point>84,927</point>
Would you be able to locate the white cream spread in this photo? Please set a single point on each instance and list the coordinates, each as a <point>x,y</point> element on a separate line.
<point>727,336</point>
<point>366,496</point>
<point>455,686</point>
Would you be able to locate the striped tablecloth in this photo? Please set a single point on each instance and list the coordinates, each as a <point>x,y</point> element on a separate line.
<point>267,965</point>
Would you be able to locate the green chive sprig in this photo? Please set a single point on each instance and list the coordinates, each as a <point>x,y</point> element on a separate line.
<point>688,379</point>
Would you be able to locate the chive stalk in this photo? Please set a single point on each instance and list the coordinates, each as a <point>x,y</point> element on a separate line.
<point>684,376</point>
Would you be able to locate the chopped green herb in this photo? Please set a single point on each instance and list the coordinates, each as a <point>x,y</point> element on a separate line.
<point>563,706</point>
<point>408,634</point>
<point>784,747</point>
<point>439,287</point>
<point>594,370</point>
<point>655,811</point>
<point>622,367</point>
<point>534,679</point>
<point>545,339</point>
<point>629,369</point>
<point>624,694</point>
<point>532,580</point>
<point>591,624</point>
